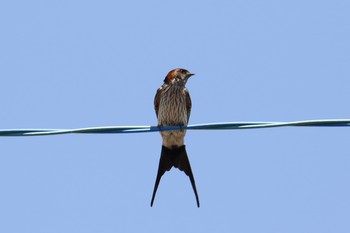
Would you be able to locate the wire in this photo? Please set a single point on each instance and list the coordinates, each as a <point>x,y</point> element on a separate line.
<point>148,129</point>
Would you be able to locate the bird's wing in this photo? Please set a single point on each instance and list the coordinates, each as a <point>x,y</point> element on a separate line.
<point>157,100</point>
<point>188,104</point>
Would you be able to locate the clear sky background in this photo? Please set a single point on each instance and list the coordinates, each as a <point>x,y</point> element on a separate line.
<point>72,64</point>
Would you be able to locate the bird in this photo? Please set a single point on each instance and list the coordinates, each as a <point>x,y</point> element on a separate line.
<point>172,104</point>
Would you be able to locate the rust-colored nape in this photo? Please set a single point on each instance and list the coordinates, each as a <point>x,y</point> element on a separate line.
<point>170,76</point>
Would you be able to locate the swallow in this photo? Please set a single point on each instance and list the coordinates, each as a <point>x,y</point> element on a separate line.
<point>172,104</point>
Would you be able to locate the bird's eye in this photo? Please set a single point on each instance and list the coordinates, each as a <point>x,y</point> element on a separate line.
<point>183,71</point>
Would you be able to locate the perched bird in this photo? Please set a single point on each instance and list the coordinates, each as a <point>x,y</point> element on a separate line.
<point>172,104</point>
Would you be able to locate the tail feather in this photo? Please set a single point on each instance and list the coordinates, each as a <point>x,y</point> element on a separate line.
<point>178,158</point>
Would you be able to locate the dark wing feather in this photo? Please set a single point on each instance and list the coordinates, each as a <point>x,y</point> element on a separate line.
<point>157,100</point>
<point>188,104</point>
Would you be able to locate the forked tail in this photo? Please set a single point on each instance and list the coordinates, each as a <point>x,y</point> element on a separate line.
<point>178,158</point>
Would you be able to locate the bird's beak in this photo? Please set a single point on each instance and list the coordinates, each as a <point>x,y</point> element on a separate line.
<point>189,75</point>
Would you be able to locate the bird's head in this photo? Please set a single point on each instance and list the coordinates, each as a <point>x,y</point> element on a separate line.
<point>177,76</point>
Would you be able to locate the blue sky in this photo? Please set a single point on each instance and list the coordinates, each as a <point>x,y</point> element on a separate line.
<point>72,64</point>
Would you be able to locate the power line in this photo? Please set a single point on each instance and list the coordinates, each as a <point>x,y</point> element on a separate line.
<point>148,129</point>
